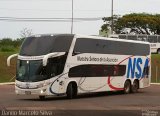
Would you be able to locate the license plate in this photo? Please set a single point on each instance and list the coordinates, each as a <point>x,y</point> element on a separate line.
<point>28,92</point>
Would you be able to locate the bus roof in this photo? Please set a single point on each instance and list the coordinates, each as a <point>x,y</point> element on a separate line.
<point>91,37</point>
<point>112,39</point>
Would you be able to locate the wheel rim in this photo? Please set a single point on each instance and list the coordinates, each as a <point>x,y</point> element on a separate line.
<point>135,86</point>
<point>127,87</point>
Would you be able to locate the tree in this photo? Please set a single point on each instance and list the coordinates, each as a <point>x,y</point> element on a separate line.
<point>10,45</point>
<point>108,22</point>
<point>137,23</point>
<point>26,32</point>
<point>6,41</point>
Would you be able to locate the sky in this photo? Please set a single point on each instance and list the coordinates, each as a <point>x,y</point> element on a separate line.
<point>63,9</point>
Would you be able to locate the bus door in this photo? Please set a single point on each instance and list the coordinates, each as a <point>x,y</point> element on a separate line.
<point>55,68</point>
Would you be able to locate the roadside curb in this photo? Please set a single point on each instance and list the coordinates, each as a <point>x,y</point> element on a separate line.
<point>8,83</point>
<point>155,83</point>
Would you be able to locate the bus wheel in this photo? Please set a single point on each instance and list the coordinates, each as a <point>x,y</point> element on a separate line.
<point>42,97</point>
<point>127,87</point>
<point>71,91</point>
<point>135,86</point>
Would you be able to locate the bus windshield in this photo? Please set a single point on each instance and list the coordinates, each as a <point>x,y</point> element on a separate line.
<point>30,71</point>
<point>34,71</point>
<point>36,46</point>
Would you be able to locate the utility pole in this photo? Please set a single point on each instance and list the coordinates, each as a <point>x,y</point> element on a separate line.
<point>72,19</point>
<point>112,17</point>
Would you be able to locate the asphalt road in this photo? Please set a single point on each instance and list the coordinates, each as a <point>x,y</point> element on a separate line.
<point>144,103</point>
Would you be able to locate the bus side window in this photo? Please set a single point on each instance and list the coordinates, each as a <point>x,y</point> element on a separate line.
<point>77,71</point>
<point>116,70</point>
<point>56,65</point>
<point>158,39</point>
<point>119,70</point>
<point>105,71</point>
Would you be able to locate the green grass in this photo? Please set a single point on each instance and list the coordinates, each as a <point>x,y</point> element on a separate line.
<point>155,61</point>
<point>7,73</point>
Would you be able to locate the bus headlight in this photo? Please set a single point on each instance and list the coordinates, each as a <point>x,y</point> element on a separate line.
<point>43,84</point>
<point>40,85</point>
<point>43,91</point>
<point>46,83</point>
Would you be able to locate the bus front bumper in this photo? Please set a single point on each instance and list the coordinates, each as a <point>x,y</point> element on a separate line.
<point>40,91</point>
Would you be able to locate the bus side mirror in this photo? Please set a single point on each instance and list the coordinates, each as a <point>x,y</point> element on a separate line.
<point>45,58</point>
<point>9,59</point>
<point>50,55</point>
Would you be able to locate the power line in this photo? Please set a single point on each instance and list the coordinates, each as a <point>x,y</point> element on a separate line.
<point>16,19</point>
<point>35,0</point>
<point>56,10</point>
<point>85,18</point>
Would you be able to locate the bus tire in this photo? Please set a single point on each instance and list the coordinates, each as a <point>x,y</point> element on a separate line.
<point>71,91</point>
<point>127,87</point>
<point>135,86</point>
<point>42,97</point>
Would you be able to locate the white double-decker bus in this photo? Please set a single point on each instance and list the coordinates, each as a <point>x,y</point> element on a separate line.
<point>68,64</point>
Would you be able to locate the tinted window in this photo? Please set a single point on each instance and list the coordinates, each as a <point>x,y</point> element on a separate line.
<point>97,70</point>
<point>85,45</point>
<point>152,39</point>
<point>132,37</point>
<point>159,39</point>
<point>142,37</point>
<point>35,46</point>
<point>55,66</point>
<point>122,37</point>
<point>34,71</point>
